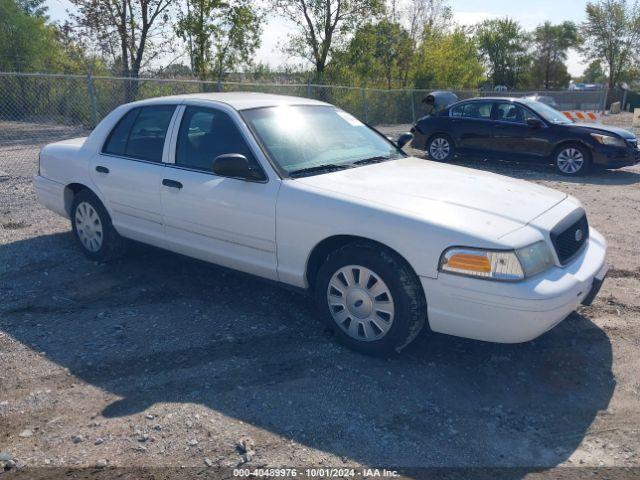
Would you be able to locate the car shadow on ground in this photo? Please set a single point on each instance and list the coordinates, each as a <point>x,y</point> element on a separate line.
<point>540,171</point>
<point>157,327</point>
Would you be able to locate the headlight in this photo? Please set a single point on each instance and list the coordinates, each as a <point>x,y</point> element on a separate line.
<point>535,258</point>
<point>609,140</point>
<point>497,264</point>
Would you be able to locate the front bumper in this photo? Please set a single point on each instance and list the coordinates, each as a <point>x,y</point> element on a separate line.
<point>616,157</point>
<point>515,312</point>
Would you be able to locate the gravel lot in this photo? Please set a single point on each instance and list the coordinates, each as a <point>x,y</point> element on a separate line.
<point>160,360</point>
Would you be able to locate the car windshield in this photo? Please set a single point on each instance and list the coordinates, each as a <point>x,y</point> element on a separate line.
<point>550,114</point>
<point>308,140</point>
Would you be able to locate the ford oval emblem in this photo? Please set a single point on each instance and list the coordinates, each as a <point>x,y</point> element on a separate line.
<point>578,236</point>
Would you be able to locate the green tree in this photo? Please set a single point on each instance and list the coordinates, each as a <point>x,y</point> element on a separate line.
<point>324,26</point>
<point>220,35</point>
<point>131,32</point>
<point>550,46</point>
<point>594,73</point>
<point>503,46</point>
<point>27,44</point>
<point>378,54</point>
<point>449,60</point>
<point>34,8</point>
<point>612,34</point>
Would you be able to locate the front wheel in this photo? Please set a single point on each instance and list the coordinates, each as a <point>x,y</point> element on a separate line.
<point>572,160</point>
<point>371,298</point>
<point>440,148</point>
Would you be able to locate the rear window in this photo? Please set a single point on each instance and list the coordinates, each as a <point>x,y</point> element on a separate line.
<point>140,133</point>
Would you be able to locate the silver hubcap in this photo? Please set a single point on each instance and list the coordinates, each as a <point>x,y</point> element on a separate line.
<point>89,227</point>
<point>360,303</point>
<point>439,148</point>
<point>570,160</point>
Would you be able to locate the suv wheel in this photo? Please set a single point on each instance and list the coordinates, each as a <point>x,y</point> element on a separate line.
<point>371,298</point>
<point>572,160</point>
<point>92,228</point>
<point>440,148</point>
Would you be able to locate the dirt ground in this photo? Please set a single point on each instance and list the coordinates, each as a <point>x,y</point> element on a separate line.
<point>159,360</point>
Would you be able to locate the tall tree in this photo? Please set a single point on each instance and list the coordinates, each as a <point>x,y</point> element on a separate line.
<point>612,34</point>
<point>503,46</point>
<point>550,46</point>
<point>428,16</point>
<point>594,73</point>
<point>34,8</point>
<point>449,60</point>
<point>220,35</point>
<point>132,32</point>
<point>27,43</point>
<point>377,52</point>
<point>323,25</point>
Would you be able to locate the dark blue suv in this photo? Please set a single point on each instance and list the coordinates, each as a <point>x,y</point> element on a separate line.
<point>524,130</point>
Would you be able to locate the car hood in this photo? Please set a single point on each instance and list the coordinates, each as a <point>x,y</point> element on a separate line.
<point>461,198</point>
<point>596,127</point>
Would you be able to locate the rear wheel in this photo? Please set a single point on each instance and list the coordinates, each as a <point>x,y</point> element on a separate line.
<point>371,298</point>
<point>440,147</point>
<point>92,228</point>
<point>572,160</point>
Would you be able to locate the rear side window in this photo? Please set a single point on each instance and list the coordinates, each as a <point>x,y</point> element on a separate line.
<point>481,110</point>
<point>141,133</point>
<point>117,142</point>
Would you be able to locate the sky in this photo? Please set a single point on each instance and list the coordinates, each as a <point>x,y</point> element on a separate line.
<point>529,13</point>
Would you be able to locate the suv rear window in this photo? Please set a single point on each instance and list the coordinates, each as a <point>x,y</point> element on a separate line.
<point>140,133</point>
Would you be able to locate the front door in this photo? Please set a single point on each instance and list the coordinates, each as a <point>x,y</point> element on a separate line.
<point>223,220</point>
<point>128,169</point>
<point>514,139</point>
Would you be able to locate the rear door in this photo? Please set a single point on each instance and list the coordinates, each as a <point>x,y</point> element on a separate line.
<point>127,171</point>
<point>471,126</point>
<point>513,138</point>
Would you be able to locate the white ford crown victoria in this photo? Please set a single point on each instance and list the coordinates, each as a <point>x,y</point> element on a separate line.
<point>298,191</point>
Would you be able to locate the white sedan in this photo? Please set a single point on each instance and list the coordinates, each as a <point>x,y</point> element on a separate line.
<point>301,192</point>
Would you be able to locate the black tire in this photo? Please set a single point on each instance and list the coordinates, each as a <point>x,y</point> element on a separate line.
<point>112,245</point>
<point>409,304</point>
<point>438,145</point>
<point>563,163</point>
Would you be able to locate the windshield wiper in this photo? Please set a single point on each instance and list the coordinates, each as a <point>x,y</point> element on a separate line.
<point>367,161</point>
<point>329,167</point>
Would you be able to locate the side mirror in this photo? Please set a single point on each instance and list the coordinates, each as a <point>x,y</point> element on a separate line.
<point>404,139</point>
<point>235,165</point>
<point>534,122</point>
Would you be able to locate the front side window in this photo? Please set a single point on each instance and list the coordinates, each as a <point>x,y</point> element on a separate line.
<point>140,133</point>
<point>510,112</point>
<point>299,138</point>
<point>205,134</point>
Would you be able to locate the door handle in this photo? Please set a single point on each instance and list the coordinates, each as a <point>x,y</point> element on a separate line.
<point>171,183</point>
<point>102,169</point>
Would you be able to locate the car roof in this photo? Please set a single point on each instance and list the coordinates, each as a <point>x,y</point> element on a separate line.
<point>237,100</point>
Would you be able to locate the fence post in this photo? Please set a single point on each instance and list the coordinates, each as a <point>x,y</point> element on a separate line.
<point>308,88</point>
<point>365,111</point>
<point>605,93</point>
<point>413,107</point>
<point>94,101</point>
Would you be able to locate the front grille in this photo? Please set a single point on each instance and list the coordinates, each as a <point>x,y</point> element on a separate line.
<point>569,240</point>
<point>633,142</point>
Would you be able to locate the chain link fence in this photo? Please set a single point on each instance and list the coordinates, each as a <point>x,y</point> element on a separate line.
<point>36,109</point>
